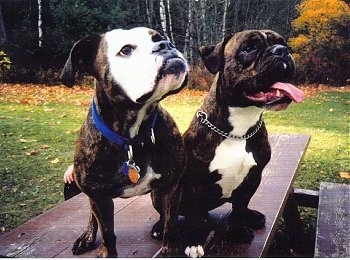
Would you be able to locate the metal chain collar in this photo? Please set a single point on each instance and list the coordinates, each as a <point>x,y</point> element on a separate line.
<point>203,119</point>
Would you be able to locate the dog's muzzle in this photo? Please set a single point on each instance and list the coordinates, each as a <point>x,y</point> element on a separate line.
<point>174,66</point>
<point>277,93</point>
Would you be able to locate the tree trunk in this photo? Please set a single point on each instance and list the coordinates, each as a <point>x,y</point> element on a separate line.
<point>169,20</point>
<point>162,16</point>
<point>188,37</point>
<point>149,12</point>
<point>224,18</point>
<point>40,31</point>
<point>3,37</point>
<point>203,39</point>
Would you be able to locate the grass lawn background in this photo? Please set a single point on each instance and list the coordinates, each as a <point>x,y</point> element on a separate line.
<point>39,126</point>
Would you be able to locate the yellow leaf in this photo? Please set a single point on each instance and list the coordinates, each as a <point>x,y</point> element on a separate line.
<point>55,161</point>
<point>32,152</point>
<point>345,175</point>
<point>22,140</point>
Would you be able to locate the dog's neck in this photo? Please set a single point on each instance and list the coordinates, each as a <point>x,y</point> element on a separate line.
<point>242,119</point>
<point>141,116</point>
<point>234,120</point>
<point>122,118</point>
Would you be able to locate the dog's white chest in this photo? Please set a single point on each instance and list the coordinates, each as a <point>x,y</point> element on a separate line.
<point>231,159</point>
<point>233,163</point>
<point>143,186</point>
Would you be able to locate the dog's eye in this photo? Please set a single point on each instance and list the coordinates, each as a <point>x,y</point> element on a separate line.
<point>250,48</point>
<point>126,50</point>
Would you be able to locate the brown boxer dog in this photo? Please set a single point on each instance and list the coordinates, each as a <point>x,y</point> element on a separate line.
<point>129,145</point>
<point>227,142</point>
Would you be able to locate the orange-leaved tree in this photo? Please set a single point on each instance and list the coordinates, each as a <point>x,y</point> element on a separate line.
<point>321,46</point>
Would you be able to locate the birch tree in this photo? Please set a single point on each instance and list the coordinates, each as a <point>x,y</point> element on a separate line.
<point>169,25</point>
<point>162,16</point>
<point>40,30</point>
<point>149,12</point>
<point>224,17</point>
<point>188,35</point>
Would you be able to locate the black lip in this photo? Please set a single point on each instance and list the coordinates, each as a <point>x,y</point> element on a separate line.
<point>144,97</point>
<point>282,100</point>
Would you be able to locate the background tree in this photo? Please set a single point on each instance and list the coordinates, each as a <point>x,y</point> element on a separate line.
<point>3,37</point>
<point>208,21</point>
<point>322,43</point>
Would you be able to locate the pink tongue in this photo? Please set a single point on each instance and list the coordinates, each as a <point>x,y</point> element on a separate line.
<point>291,91</point>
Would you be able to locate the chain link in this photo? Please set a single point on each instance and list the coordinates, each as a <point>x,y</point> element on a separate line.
<point>203,119</point>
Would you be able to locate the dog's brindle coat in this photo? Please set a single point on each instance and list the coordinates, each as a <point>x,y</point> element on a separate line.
<point>134,69</point>
<point>221,169</point>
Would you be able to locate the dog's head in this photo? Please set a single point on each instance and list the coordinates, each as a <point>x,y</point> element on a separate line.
<point>138,64</point>
<point>255,69</point>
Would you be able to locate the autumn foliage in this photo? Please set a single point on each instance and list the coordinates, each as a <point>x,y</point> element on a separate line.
<point>322,43</point>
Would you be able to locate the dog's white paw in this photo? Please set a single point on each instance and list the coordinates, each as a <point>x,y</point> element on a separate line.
<point>155,235</point>
<point>194,251</point>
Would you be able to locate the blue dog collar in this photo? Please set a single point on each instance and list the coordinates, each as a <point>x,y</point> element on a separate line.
<point>112,136</point>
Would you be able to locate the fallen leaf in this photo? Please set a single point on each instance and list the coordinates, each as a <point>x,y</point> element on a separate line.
<point>32,152</point>
<point>345,175</point>
<point>44,146</point>
<point>22,140</point>
<point>55,161</point>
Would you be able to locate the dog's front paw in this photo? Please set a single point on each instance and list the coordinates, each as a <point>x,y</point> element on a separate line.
<point>157,230</point>
<point>84,243</point>
<point>194,251</point>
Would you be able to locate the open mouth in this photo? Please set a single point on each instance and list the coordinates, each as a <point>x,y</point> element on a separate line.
<point>278,97</point>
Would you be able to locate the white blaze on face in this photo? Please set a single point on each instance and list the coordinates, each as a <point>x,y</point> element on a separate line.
<point>231,160</point>
<point>135,73</point>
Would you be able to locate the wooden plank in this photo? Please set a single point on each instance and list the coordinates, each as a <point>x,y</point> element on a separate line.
<point>333,221</point>
<point>53,233</point>
<point>306,198</point>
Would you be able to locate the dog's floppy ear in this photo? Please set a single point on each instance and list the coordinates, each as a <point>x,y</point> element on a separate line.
<point>212,56</point>
<point>81,58</point>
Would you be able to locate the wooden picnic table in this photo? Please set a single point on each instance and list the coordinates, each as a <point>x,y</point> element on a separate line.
<point>333,221</point>
<point>53,233</point>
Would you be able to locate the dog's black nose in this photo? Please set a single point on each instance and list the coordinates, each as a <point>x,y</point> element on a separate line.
<point>163,46</point>
<point>279,50</point>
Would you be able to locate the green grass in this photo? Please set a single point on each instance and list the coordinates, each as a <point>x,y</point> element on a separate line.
<point>36,146</point>
<point>37,143</point>
<point>326,118</point>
